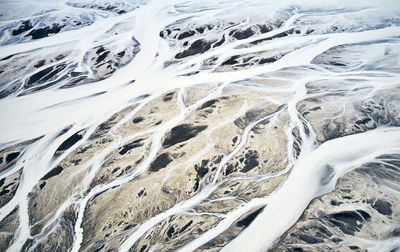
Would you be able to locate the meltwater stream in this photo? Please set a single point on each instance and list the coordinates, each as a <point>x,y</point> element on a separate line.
<point>179,125</point>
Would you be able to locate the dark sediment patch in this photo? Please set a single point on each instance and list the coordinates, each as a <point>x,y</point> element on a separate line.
<point>279,35</point>
<point>141,97</point>
<point>185,226</point>
<point>42,185</point>
<point>54,172</point>
<point>315,108</point>
<point>170,232</point>
<point>395,232</point>
<point>246,221</point>
<point>160,162</point>
<point>40,63</point>
<point>297,249</point>
<point>40,87</point>
<point>363,121</point>
<point>44,75</point>
<point>267,60</point>
<point>115,170</point>
<point>44,32</point>
<point>336,203</point>
<point>202,168</point>
<point>11,156</point>
<point>336,240</point>
<point>100,50</point>
<point>251,160</point>
<point>3,192</point>
<point>231,168</point>
<point>198,46</point>
<point>130,146</point>
<point>382,206</point>
<point>196,184</point>
<point>208,103</point>
<point>8,57</point>
<point>186,34</point>
<point>142,192</point>
<point>137,120</point>
<point>348,222</point>
<point>242,34</point>
<point>25,26</point>
<point>28,243</point>
<point>231,61</point>
<point>70,141</point>
<point>220,42</point>
<point>60,57</point>
<point>102,56</point>
<point>63,131</point>
<point>121,54</point>
<point>337,63</point>
<point>143,248</point>
<point>165,33</point>
<point>75,161</point>
<point>168,96</point>
<point>182,133</point>
<point>37,76</point>
<point>264,28</point>
<point>310,31</point>
<point>200,29</point>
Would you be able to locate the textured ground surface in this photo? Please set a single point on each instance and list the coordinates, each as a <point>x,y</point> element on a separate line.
<point>199,126</point>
